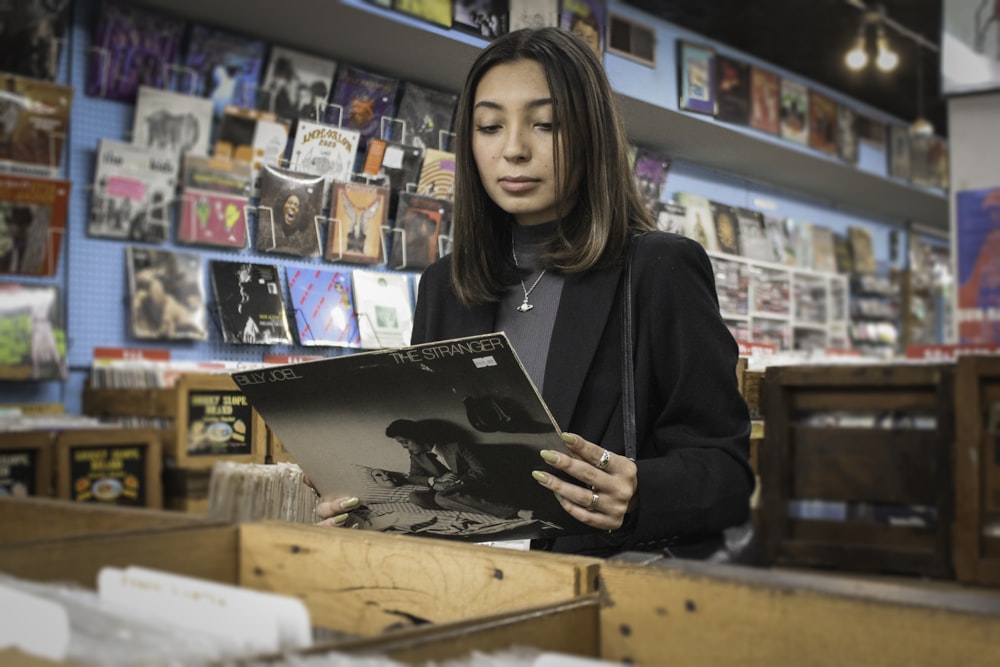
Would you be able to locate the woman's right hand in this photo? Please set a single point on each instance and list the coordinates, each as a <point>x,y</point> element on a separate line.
<point>335,512</point>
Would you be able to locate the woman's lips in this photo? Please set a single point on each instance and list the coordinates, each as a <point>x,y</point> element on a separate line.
<point>518,184</point>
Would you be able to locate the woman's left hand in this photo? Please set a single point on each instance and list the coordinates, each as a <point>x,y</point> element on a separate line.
<point>609,483</point>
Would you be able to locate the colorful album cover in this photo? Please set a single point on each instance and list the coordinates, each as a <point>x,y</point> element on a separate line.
<point>166,291</point>
<point>794,111</point>
<point>437,12</point>
<point>670,217</point>
<point>323,303</point>
<point>533,14</point>
<point>650,168</point>
<point>732,90</point>
<point>226,66</point>
<point>235,133</point>
<point>977,270</point>
<point>34,122</point>
<point>765,100</point>
<point>250,304</point>
<point>133,46</point>
<point>437,174</point>
<point>486,18</point>
<point>32,224</point>
<point>822,122</point>
<point>696,77</point>
<point>296,84</point>
<point>358,214</point>
<point>862,250</point>
<point>824,252</point>
<point>325,150</point>
<point>172,122</point>
<point>420,223</point>
<point>396,165</point>
<point>753,237</point>
<point>32,333</point>
<point>383,303</point>
<point>426,116</point>
<point>289,214</point>
<point>134,187</point>
<point>700,224</point>
<point>361,99</point>
<point>899,151</point>
<point>32,33</point>
<point>727,228</point>
<point>214,199</point>
<point>587,19</point>
<point>847,134</point>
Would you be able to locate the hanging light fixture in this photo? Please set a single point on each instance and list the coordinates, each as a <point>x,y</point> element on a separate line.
<point>857,57</point>
<point>921,126</point>
<point>887,59</point>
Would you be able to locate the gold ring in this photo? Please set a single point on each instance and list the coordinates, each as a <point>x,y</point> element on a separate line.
<point>603,462</point>
<point>594,499</point>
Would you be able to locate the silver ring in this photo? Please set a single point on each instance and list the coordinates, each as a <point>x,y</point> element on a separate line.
<point>603,462</point>
<point>594,499</point>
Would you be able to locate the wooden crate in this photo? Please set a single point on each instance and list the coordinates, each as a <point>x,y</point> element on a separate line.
<point>26,466</point>
<point>878,467</point>
<point>977,470</point>
<point>141,405</point>
<point>120,466</point>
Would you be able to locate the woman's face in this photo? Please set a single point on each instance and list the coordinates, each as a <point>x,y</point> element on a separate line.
<point>513,142</point>
<point>291,209</point>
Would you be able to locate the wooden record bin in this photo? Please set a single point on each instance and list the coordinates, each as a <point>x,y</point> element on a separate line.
<point>977,470</point>
<point>116,466</point>
<point>26,465</point>
<point>889,481</point>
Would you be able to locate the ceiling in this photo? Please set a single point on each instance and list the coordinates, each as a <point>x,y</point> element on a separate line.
<point>810,38</point>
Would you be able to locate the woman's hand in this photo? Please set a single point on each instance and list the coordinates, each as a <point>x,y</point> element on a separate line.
<point>335,512</point>
<point>609,483</point>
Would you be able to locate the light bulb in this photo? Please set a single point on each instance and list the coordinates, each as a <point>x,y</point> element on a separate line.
<point>887,58</point>
<point>857,57</point>
<point>922,127</point>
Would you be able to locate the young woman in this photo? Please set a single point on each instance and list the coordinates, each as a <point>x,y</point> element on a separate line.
<point>545,210</point>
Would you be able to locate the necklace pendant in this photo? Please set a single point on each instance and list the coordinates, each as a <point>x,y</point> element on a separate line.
<point>524,307</point>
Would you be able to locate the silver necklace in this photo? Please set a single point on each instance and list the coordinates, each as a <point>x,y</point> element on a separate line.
<point>525,306</point>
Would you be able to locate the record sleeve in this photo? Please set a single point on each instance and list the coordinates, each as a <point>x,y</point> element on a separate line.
<point>325,150</point>
<point>437,12</point>
<point>794,111</point>
<point>34,122</point>
<point>695,80</point>
<point>847,134</point>
<point>700,224</point>
<point>777,237</point>
<point>670,217</point>
<point>361,99</point>
<point>765,100</point>
<point>226,66</point>
<point>172,122</point>
<point>250,303</point>
<point>732,90</point>
<point>437,174</point>
<point>133,46</point>
<point>753,237</point>
<point>420,223</point>
<point>533,14</point>
<point>358,214</point>
<point>486,18</point>
<point>134,189</point>
<point>289,215</point>
<point>32,35</point>
<point>727,228</point>
<point>235,132</point>
<point>214,200</point>
<point>166,294</point>
<point>822,123</point>
<point>427,116</point>
<point>651,168</point>
<point>32,332</point>
<point>323,302</point>
<point>862,252</point>
<point>824,251</point>
<point>384,306</point>
<point>296,84</point>
<point>398,165</point>
<point>360,425</point>
<point>586,19</point>
<point>32,224</point>
<point>899,152</point>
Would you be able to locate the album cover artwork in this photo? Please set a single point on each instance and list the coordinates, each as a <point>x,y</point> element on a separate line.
<point>32,333</point>
<point>586,19</point>
<point>777,237</point>
<point>289,214</point>
<point>670,217</point>
<point>437,174</point>
<point>727,228</point>
<point>533,14</point>
<point>862,252</point>
<point>732,90</point>
<point>323,304</point>
<point>358,214</point>
<point>847,134</point>
<point>32,224</point>
<point>824,252</point>
<point>226,66</point>
<point>794,111</point>
<point>324,150</point>
<point>296,84</point>
<point>34,122</point>
<point>426,116</point>
<point>421,221</point>
<point>32,33</point>
<point>250,304</point>
<point>214,199</point>
<point>700,224</point>
<point>394,164</point>
<point>765,100</point>
<point>899,151</point>
<point>651,167</point>
<point>361,99</point>
<point>753,237</point>
<point>172,122</point>
<point>166,291</point>
<point>134,187</point>
<point>132,47</point>
<point>822,123</point>
<point>235,132</point>
<point>437,12</point>
<point>383,303</point>
<point>486,18</point>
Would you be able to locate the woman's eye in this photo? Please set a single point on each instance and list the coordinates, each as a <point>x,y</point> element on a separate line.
<point>544,126</point>
<point>487,129</point>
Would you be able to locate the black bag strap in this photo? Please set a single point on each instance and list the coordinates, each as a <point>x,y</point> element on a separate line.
<point>628,367</point>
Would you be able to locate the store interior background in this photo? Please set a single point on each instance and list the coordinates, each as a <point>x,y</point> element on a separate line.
<point>726,163</point>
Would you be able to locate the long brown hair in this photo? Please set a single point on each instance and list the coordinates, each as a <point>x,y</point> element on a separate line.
<point>603,204</point>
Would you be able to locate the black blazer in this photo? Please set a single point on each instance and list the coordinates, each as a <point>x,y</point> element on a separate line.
<point>692,424</point>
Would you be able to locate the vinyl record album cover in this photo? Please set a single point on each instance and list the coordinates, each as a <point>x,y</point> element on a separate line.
<point>794,111</point>
<point>166,294</point>
<point>249,302</point>
<point>214,201</point>
<point>732,90</point>
<point>765,100</point>
<point>420,223</point>
<point>486,18</point>
<point>822,122</point>
<point>437,174</point>
<point>426,114</point>
<point>134,187</point>
<point>289,215</point>
<point>226,66</point>
<point>753,237</point>
<point>324,150</point>
<point>32,224</point>
<point>32,36</point>
<point>32,333</point>
<point>296,84</point>
<point>358,214</point>
<point>700,224</point>
<point>727,228</point>
<point>384,305</point>
<point>587,19</point>
<point>323,303</point>
<point>34,123</point>
<point>670,217</point>
<point>361,99</point>
<point>173,122</point>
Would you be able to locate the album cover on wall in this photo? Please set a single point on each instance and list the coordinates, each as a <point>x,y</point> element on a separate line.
<point>34,123</point>
<point>361,99</point>
<point>822,122</point>
<point>765,100</point>
<point>847,134</point>
<point>32,224</point>
<point>899,151</point>
<point>32,35</point>
<point>700,224</point>
<point>437,174</point>
<point>394,164</point>
<point>727,229</point>
<point>824,254</point>
<point>32,333</point>
<point>132,47</point>
<point>862,250</point>
<point>587,19</point>
<point>249,302</point>
<point>134,189</point>
<point>296,84</point>
<point>753,237</point>
<point>324,150</point>
<point>426,116</point>
<point>172,122</point>
<point>670,217</point>
<point>420,223</point>
<point>437,12</point>
<point>214,200</point>
<point>794,111</point>
<point>651,167</point>
<point>486,18</point>
<point>235,131</point>
<point>384,305</point>
<point>225,66</point>
<point>323,303</point>
<point>289,215</point>
<point>696,77</point>
<point>732,90</point>
<point>166,292</point>
<point>533,14</point>
<point>358,214</point>
<point>777,236</point>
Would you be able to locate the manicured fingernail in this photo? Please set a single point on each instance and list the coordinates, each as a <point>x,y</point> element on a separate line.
<point>540,477</point>
<point>340,518</point>
<point>350,503</point>
<point>568,438</point>
<point>549,455</point>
